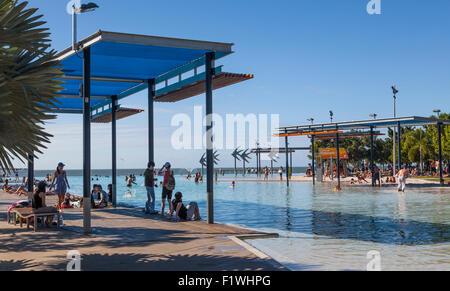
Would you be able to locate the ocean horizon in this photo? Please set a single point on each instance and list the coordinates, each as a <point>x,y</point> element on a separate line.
<point>138,171</point>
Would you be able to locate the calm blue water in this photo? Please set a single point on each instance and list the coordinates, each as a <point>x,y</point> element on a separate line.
<point>320,228</point>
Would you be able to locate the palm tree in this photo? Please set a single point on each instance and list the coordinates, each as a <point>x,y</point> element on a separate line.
<point>417,141</point>
<point>28,84</point>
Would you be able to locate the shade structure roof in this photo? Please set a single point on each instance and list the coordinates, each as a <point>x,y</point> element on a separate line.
<point>122,63</point>
<point>121,112</point>
<point>364,124</point>
<point>198,87</point>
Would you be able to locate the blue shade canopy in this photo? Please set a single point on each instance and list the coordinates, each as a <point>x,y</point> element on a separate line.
<point>121,61</point>
<point>74,105</point>
<point>101,89</point>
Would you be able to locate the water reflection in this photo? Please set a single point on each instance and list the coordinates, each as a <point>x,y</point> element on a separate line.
<point>334,224</point>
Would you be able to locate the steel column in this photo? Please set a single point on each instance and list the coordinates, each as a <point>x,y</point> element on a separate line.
<point>87,140</point>
<point>313,160</point>
<point>114,149</point>
<point>209,70</point>
<point>287,159</point>
<point>291,167</point>
<point>441,178</point>
<point>30,181</point>
<point>372,168</point>
<point>151,94</point>
<point>399,147</point>
<point>337,162</point>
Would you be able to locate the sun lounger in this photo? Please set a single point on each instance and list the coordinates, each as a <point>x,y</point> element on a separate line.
<point>28,213</point>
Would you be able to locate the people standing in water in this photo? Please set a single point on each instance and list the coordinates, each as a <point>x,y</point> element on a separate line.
<point>130,181</point>
<point>280,171</point>
<point>376,175</point>
<point>402,175</point>
<point>266,173</point>
<point>150,179</point>
<point>167,188</point>
<point>61,183</point>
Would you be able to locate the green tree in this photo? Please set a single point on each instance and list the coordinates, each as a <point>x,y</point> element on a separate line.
<point>28,84</point>
<point>417,145</point>
<point>431,131</point>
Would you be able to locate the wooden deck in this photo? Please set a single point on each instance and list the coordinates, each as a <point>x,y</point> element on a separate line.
<point>127,239</point>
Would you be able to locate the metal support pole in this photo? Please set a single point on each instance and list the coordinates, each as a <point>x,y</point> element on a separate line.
<point>441,178</point>
<point>114,149</point>
<point>209,69</point>
<point>87,140</point>
<point>287,159</point>
<point>291,167</point>
<point>337,162</point>
<point>399,147</point>
<point>151,94</point>
<point>313,160</point>
<point>74,29</point>
<point>393,141</point>
<point>30,180</point>
<point>257,163</point>
<point>372,168</point>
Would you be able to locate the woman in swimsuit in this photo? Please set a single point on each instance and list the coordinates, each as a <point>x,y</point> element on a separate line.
<point>61,183</point>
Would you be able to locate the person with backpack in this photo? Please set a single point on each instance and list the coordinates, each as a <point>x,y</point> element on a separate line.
<point>167,188</point>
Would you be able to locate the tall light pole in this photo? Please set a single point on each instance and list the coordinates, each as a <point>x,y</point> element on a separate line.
<point>77,10</point>
<point>331,116</point>
<point>437,111</point>
<point>311,120</point>
<point>394,91</point>
<point>373,115</point>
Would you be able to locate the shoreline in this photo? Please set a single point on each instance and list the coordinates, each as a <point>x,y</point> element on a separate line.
<point>410,182</point>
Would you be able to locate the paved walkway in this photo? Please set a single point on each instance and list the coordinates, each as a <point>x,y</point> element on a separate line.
<point>126,239</point>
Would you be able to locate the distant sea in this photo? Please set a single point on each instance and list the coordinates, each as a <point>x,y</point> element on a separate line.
<point>124,172</point>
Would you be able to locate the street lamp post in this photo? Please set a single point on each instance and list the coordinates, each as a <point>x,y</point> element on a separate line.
<point>331,116</point>
<point>394,91</point>
<point>77,10</point>
<point>373,115</point>
<point>438,112</point>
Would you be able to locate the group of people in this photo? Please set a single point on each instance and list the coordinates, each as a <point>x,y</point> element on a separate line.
<point>176,205</point>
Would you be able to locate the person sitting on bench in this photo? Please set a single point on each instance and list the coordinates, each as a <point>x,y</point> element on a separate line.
<point>38,203</point>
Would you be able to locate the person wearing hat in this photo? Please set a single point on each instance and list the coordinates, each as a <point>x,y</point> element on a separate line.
<point>150,179</point>
<point>168,186</point>
<point>60,182</point>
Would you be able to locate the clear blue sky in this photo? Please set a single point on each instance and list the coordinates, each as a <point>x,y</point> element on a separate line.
<point>308,57</point>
